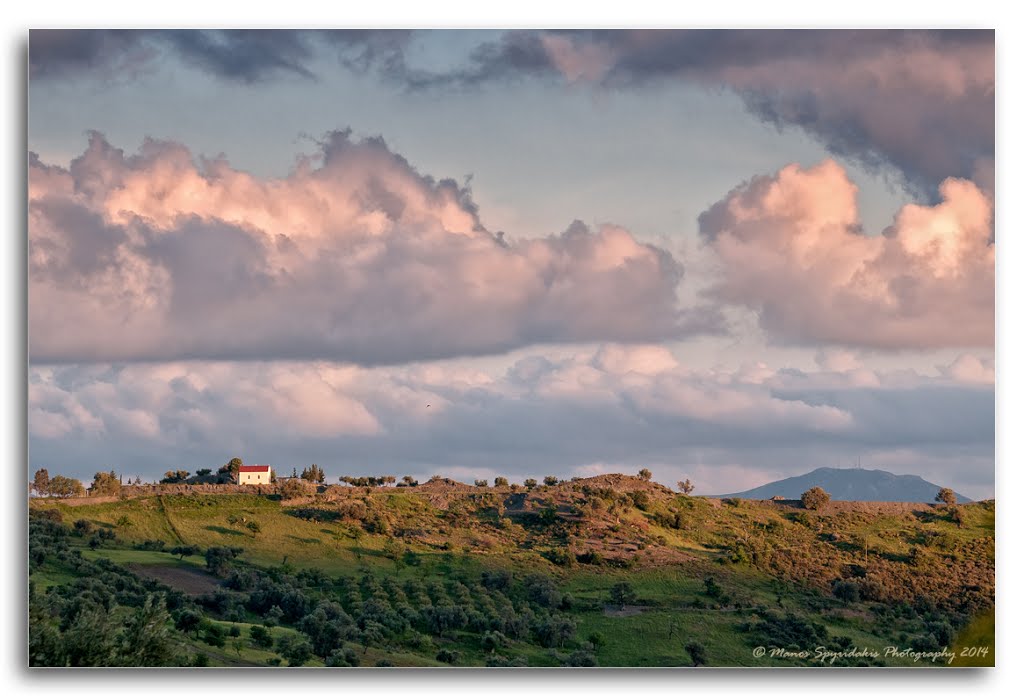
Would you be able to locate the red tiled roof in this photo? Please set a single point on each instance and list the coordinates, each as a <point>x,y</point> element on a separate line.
<point>254,469</point>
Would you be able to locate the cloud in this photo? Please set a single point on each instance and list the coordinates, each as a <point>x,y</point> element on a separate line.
<point>354,256</point>
<point>970,369</point>
<point>607,408</point>
<point>791,248</point>
<point>922,102</point>
<point>63,53</point>
<point>244,56</point>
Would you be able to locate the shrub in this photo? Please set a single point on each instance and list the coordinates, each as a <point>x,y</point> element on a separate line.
<point>294,488</point>
<point>622,593</point>
<point>711,588</point>
<point>581,658</point>
<point>218,558</point>
<point>297,650</point>
<point>640,500</point>
<point>215,635</point>
<point>448,656</point>
<point>150,545</point>
<point>846,590</point>
<point>815,499</point>
<point>343,657</point>
<point>188,621</point>
<point>698,654</point>
<point>261,637</point>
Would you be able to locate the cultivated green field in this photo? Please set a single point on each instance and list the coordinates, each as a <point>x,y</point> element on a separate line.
<point>407,577</point>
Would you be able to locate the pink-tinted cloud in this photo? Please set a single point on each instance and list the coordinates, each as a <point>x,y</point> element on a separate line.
<point>791,248</point>
<point>610,408</point>
<point>353,256</point>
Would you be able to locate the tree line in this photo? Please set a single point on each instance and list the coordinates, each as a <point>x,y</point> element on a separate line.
<point>110,483</point>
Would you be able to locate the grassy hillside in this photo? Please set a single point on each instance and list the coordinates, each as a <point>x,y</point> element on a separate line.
<point>446,573</point>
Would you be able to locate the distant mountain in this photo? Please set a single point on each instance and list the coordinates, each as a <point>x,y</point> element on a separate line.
<point>851,484</point>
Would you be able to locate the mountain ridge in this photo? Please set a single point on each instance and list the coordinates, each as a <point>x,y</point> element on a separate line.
<point>868,485</point>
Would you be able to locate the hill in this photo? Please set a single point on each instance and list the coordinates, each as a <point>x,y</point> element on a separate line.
<point>612,570</point>
<point>873,485</point>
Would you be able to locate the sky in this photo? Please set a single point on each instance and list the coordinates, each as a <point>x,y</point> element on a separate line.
<point>728,256</point>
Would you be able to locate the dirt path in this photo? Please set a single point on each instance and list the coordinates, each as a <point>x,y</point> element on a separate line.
<point>170,524</point>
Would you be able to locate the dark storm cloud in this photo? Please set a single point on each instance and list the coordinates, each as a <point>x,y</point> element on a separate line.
<point>238,55</point>
<point>243,55</point>
<point>62,53</point>
<point>920,101</point>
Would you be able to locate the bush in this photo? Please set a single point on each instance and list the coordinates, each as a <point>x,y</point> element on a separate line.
<point>847,591</point>
<point>640,500</point>
<point>448,656</point>
<point>343,657</point>
<point>188,621</point>
<point>711,588</point>
<point>182,551</point>
<point>698,654</point>
<point>784,631</point>
<point>261,637</point>
<point>150,545</point>
<point>218,558</point>
<point>297,650</point>
<point>815,498</point>
<point>294,488</point>
<point>581,658</point>
<point>622,593</point>
<point>214,636</point>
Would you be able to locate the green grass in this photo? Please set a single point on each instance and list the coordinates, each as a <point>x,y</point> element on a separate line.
<point>158,558</point>
<point>975,638</point>
<point>819,547</point>
<point>52,573</point>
